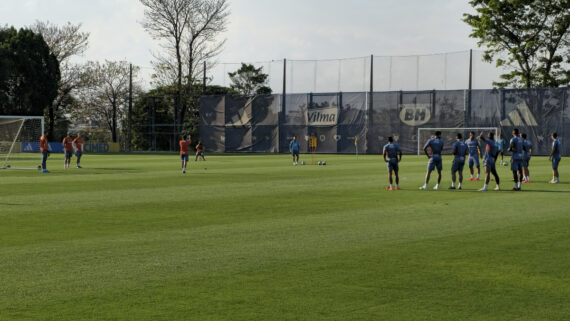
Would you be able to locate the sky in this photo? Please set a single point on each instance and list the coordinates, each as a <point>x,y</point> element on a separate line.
<point>261,30</point>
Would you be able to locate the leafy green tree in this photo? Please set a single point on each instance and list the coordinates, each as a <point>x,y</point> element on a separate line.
<point>529,37</point>
<point>29,74</point>
<point>248,80</point>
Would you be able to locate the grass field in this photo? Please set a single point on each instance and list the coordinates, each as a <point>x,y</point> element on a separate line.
<point>129,237</point>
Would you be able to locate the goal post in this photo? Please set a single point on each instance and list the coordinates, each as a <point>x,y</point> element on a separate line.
<point>19,138</point>
<point>448,135</point>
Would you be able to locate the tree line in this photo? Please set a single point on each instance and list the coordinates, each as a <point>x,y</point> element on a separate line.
<point>38,75</point>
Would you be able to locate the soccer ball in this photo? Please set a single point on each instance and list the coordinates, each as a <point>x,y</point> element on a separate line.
<point>303,163</point>
<point>505,164</point>
<point>319,163</point>
<point>324,162</point>
<point>39,167</point>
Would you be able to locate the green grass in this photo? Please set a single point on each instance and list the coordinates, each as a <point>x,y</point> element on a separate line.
<point>129,237</point>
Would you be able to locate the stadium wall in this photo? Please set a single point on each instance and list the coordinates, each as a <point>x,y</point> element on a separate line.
<point>345,122</point>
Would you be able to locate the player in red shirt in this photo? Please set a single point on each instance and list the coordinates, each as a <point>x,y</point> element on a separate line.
<point>67,149</point>
<point>200,151</point>
<point>184,151</point>
<point>44,149</point>
<point>78,147</point>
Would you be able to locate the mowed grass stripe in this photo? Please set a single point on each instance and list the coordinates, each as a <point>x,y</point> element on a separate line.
<point>253,237</point>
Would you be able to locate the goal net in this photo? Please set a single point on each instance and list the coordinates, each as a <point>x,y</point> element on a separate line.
<point>448,136</point>
<point>19,140</point>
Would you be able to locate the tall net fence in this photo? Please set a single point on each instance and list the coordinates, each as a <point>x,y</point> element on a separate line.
<point>347,122</point>
<point>445,71</point>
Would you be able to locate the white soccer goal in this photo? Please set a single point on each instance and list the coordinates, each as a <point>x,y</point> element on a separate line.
<point>19,138</point>
<point>448,135</point>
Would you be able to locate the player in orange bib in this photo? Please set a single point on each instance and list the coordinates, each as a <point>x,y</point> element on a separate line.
<point>184,151</point>
<point>67,149</point>
<point>44,149</point>
<point>200,151</point>
<point>78,147</point>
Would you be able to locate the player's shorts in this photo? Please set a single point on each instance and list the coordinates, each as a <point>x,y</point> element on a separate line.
<point>392,165</point>
<point>434,162</point>
<point>68,154</point>
<point>473,161</point>
<point>516,164</point>
<point>489,163</point>
<point>78,154</point>
<point>199,153</point>
<point>458,164</point>
<point>295,152</point>
<point>555,162</point>
<point>184,157</point>
<point>526,162</point>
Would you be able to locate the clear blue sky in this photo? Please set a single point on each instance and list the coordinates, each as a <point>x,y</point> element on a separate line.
<point>268,29</point>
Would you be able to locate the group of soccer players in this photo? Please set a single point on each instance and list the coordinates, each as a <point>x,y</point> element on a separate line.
<point>70,146</point>
<point>519,146</point>
<point>185,151</point>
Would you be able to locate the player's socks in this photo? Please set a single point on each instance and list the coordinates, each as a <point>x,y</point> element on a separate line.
<point>478,177</point>
<point>459,186</point>
<point>497,188</point>
<point>453,184</point>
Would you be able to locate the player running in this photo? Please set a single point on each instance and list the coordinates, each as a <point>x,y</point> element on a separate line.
<point>501,147</point>
<point>459,150</point>
<point>516,146</point>
<point>78,147</point>
<point>392,156</point>
<point>294,149</point>
<point>555,156</point>
<point>67,149</point>
<point>200,151</point>
<point>526,157</point>
<point>184,151</point>
<point>474,154</point>
<point>44,149</point>
<point>435,144</point>
<point>491,153</point>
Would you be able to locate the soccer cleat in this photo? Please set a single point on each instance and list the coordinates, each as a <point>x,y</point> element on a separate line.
<point>184,171</point>
<point>497,188</point>
<point>79,166</point>
<point>389,188</point>
<point>436,187</point>
<point>471,179</point>
<point>459,187</point>
<point>423,187</point>
<point>397,188</point>
<point>477,179</point>
<point>451,187</point>
<point>45,171</point>
<point>483,189</point>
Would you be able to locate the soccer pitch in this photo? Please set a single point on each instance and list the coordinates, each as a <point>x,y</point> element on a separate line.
<point>251,237</point>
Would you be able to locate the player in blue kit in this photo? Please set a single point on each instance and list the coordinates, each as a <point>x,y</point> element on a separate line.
<point>294,150</point>
<point>459,150</point>
<point>501,147</point>
<point>474,154</point>
<point>526,157</point>
<point>491,153</point>
<point>392,156</point>
<point>516,146</point>
<point>555,157</point>
<point>435,145</point>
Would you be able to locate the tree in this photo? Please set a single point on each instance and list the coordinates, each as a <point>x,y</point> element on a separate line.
<point>105,95</point>
<point>188,30</point>
<point>29,73</point>
<point>64,43</point>
<point>249,80</point>
<point>531,37</point>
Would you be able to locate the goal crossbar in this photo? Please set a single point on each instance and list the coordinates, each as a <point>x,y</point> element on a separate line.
<point>474,129</point>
